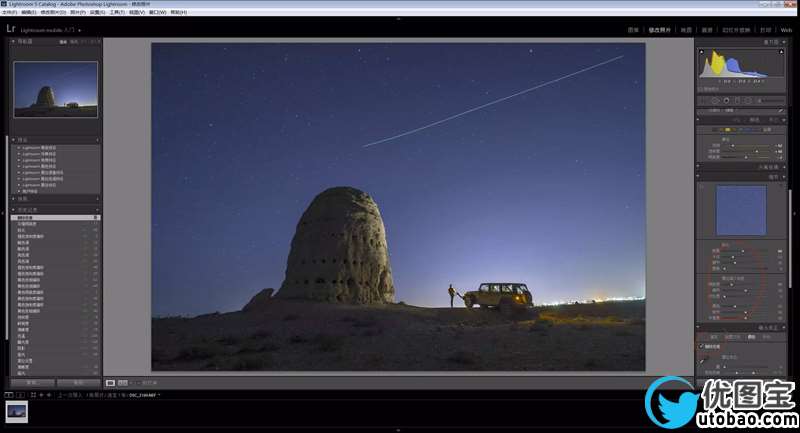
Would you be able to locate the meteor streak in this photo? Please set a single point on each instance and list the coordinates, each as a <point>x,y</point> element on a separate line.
<point>488,104</point>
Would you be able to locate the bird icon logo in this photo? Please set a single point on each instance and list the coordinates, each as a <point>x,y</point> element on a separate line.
<point>677,414</point>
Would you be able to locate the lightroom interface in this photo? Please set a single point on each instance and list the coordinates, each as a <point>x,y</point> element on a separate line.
<point>335,207</point>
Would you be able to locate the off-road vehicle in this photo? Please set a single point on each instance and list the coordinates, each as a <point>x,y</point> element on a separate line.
<point>508,297</point>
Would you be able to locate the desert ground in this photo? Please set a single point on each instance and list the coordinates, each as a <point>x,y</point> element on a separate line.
<point>286,335</point>
<point>87,111</point>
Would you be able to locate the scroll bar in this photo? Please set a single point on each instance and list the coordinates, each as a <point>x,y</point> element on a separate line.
<point>789,256</point>
<point>8,244</point>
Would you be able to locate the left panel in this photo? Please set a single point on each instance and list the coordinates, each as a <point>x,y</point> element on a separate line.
<point>54,228</point>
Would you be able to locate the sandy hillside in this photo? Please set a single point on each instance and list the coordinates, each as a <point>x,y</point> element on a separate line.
<point>307,336</point>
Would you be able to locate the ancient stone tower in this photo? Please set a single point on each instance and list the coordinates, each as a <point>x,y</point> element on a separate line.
<point>45,98</point>
<point>339,251</point>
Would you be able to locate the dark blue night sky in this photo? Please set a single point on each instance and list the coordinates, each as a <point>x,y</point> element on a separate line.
<point>70,81</point>
<point>546,188</point>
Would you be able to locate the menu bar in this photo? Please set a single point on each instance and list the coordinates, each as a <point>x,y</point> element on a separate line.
<point>391,8</point>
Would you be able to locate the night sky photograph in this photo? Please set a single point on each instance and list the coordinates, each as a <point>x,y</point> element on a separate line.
<point>70,82</point>
<point>489,162</point>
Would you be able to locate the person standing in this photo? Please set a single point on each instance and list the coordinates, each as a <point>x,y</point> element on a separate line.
<point>452,292</point>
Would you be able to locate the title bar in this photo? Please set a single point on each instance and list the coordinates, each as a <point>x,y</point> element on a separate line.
<point>400,8</point>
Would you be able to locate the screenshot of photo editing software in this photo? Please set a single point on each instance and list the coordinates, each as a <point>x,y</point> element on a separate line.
<point>399,215</point>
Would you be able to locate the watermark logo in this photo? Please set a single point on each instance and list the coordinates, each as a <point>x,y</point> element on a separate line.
<point>677,414</point>
<point>748,403</point>
<point>741,403</point>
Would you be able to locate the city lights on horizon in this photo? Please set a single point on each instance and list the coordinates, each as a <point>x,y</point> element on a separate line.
<point>590,301</point>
